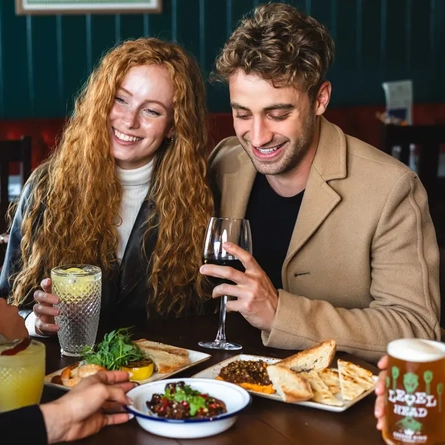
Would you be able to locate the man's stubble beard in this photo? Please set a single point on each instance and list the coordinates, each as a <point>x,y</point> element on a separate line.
<point>292,155</point>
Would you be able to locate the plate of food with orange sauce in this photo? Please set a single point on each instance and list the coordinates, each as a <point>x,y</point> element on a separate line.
<point>305,378</point>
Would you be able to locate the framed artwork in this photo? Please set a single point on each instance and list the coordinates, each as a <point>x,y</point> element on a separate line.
<point>88,6</point>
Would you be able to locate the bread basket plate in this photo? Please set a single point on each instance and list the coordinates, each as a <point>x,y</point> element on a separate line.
<point>195,357</point>
<point>213,371</point>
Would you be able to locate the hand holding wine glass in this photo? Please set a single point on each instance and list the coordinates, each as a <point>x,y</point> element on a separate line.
<point>219,231</point>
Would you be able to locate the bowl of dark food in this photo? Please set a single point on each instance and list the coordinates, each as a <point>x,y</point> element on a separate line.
<point>187,408</point>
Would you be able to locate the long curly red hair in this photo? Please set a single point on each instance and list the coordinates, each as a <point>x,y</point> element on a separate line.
<point>75,196</point>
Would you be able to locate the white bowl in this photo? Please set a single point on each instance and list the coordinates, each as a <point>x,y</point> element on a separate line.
<point>235,398</point>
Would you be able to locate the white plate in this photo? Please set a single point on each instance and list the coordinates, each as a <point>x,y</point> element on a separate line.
<point>194,356</point>
<point>213,371</point>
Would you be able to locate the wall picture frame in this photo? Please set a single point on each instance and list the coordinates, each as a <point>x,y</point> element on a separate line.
<point>51,7</point>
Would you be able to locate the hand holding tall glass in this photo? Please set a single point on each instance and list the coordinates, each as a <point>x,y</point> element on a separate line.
<point>79,288</point>
<point>220,230</point>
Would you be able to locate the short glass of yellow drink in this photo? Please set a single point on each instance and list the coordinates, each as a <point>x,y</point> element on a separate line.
<point>79,288</point>
<point>21,376</point>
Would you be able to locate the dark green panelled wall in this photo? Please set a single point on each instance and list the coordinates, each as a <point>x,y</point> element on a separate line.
<point>45,59</point>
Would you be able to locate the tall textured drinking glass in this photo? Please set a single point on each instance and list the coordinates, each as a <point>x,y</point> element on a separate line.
<point>220,230</point>
<point>79,289</point>
<point>21,375</point>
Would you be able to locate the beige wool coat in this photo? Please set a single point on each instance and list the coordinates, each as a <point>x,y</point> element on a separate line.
<point>363,263</point>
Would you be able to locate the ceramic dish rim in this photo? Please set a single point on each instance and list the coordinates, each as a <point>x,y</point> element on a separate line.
<point>223,416</point>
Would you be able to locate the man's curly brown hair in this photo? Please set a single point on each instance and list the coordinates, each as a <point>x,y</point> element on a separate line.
<point>280,44</point>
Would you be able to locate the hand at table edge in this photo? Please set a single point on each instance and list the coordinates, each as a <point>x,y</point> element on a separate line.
<point>93,404</point>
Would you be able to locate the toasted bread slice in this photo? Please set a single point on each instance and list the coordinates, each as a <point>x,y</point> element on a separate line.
<point>331,379</point>
<point>288,384</point>
<point>166,358</point>
<point>354,380</point>
<point>322,394</point>
<point>314,358</point>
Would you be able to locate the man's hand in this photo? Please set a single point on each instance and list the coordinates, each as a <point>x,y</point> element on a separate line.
<point>94,403</point>
<point>12,325</point>
<point>379,409</point>
<point>44,309</point>
<point>257,299</point>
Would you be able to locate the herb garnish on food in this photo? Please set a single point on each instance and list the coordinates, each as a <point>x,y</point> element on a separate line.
<point>186,394</point>
<point>179,401</point>
<point>114,351</point>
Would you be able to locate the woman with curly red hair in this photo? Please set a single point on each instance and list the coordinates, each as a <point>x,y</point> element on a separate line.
<point>125,189</point>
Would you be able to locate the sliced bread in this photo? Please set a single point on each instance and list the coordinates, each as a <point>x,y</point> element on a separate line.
<point>288,384</point>
<point>331,379</point>
<point>354,380</point>
<point>314,358</point>
<point>322,393</point>
<point>166,358</point>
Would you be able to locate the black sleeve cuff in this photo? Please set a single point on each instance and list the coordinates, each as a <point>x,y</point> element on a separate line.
<point>23,425</point>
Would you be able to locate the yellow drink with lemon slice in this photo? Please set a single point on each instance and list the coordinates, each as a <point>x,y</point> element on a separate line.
<point>21,376</point>
<point>79,289</point>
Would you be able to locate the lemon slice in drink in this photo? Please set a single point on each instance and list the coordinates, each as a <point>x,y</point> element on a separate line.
<point>76,270</point>
<point>75,285</point>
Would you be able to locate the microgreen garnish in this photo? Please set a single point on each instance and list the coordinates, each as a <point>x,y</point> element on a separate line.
<point>194,398</point>
<point>114,351</point>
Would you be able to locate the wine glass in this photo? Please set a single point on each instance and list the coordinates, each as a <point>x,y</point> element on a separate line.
<point>220,230</point>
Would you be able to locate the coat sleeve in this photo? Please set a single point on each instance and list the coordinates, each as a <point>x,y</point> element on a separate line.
<point>405,301</point>
<point>24,425</point>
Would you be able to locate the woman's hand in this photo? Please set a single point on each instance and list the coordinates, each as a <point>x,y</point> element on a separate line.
<point>12,326</point>
<point>379,408</point>
<point>44,309</point>
<point>94,403</point>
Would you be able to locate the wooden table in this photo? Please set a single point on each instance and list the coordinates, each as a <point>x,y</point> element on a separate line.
<point>264,421</point>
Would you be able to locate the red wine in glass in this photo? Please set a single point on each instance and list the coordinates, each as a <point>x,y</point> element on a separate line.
<point>231,262</point>
<point>220,230</point>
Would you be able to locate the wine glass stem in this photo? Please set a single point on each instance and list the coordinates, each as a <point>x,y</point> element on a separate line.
<point>221,334</point>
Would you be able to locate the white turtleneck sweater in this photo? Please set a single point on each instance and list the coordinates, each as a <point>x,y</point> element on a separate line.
<point>135,184</point>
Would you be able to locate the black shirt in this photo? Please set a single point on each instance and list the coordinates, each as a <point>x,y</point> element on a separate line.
<point>272,219</point>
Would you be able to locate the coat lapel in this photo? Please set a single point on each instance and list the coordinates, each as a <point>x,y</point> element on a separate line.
<point>320,198</point>
<point>237,185</point>
<point>133,266</point>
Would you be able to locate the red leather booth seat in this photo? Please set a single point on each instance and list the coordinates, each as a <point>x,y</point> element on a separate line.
<point>44,133</point>
<point>356,121</point>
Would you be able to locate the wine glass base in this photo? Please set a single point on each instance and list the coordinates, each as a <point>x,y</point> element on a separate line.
<point>216,344</point>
